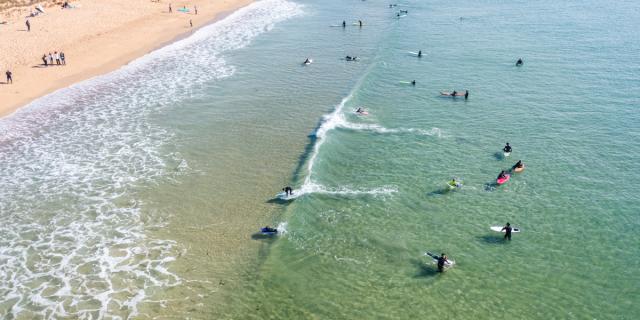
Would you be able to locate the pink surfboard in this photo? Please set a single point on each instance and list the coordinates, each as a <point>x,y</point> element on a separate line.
<point>503,180</point>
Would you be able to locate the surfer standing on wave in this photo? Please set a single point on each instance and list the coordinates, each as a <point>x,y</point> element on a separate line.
<point>287,191</point>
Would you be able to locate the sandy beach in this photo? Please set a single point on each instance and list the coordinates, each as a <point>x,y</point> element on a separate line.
<point>95,36</point>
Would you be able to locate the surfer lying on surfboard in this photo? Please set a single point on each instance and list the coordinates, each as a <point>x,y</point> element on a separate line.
<point>455,93</point>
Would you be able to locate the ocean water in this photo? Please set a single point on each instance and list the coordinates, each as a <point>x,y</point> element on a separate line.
<point>138,194</point>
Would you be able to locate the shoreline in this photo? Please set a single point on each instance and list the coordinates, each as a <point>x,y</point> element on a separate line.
<point>118,43</point>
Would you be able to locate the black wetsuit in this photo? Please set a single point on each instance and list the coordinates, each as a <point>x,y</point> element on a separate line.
<point>441,261</point>
<point>466,95</point>
<point>507,149</point>
<point>507,234</point>
<point>288,191</point>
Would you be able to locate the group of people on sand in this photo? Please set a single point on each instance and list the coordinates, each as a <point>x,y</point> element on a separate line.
<point>55,58</point>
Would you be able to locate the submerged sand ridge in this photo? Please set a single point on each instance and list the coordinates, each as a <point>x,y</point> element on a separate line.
<point>95,36</point>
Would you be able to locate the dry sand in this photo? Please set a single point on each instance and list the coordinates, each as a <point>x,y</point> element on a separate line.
<point>96,37</point>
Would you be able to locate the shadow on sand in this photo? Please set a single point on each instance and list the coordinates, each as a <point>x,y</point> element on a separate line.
<point>262,236</point>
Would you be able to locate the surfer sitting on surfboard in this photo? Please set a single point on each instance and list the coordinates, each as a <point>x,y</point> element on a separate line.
<point>507,231</point>
<point>287,191</point>
<point>507,148</point>
<point>502,175</point>
<point>518,164</point>
<point>441,261</point>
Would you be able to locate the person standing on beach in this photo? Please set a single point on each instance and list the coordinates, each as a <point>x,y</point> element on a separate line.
<point>64,62</point>
<point>195,10</point>
<point>56,55</point>
<point>9,76</point>
<point>50,58</point>
<point>170,10</point>
<point>191,23</point>
<point>44,60</point>
<point>28,25</point>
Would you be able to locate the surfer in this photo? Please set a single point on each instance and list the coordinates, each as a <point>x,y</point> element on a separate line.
<point>307,61</point>
<point>404,11</point>
<point>441,261</point>
<point>360,23</point>
<point>502,175</point>
<point>507,231</point>
<point>507,148</point>
<point>360,110</point>
<point>454,93</point>
<point>420,54</point>
<point>413,83</point>
<point>454,183</point>
<point>519,62</point>
<point>288,191</point>
<point>344,24</point>
<point>466,94</point>
<point>518,164</point>
<point>269,229</point>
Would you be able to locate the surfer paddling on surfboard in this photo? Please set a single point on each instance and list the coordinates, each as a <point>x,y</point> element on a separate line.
<point>519,166</point>
<point>507,231</point>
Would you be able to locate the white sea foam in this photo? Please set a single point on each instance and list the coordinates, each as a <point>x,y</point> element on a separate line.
<point>72,239</point>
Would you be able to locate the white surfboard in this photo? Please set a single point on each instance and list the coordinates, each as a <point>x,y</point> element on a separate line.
<point>499,229</point>
<point>506,154</point>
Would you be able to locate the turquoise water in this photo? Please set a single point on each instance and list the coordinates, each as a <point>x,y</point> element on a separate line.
<point>373,188</point>
<point>142,200</point>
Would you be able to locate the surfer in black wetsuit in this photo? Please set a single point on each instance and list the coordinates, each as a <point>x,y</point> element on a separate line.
<point>454,93</point>
<point>413,83</point>
<point>420,54</point>
<point>519,62</point>
<point>288,191</point>
<point>507,148</point>
<point>307,61</point>
<point>507,231</point>
<point>269,229</point>
<point>466,94</point>
<point>441,261</point>
<point>344,24</point>
<point>502,175</point>
<point>360,23</point>
<point>518,164</point>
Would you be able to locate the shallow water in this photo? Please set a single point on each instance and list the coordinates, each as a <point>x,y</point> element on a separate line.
<point>137,194</point>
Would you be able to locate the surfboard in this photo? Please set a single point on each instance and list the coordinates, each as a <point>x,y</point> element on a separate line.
<point>506,154</point>
<point>362,113</point>
<point>405,82</point>
<point>499,229</point>
<point>267,232</point>
<point>449,94</point>
<point>335,25</point>
<point>284,196</point>
<point>413,53</point>
<point>307,63</point>
<point>454,186</point>
<point>503,180</point>
<point>435,257</point>
<point>519,169</point>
